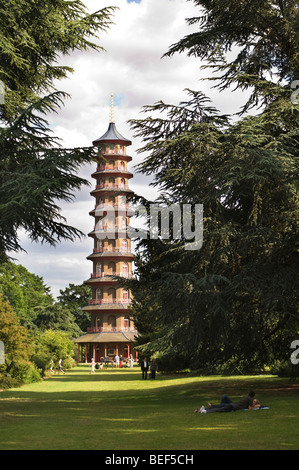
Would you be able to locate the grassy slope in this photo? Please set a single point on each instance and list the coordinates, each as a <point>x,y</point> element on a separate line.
<point>117,410</point>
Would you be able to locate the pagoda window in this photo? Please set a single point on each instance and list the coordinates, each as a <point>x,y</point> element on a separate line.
<point>111,149</point>
<point>111,267</point>
<point>99,322</point>
<point>99,268</point>
<point>122,201</point>
<point>111,321</point>
<point>111,245</point>
<point>101,165</point>
<point>125,269</point>
<point>122,222</point>
<point>112,293</point>
<point>99,294</point>
<point>125,294</point>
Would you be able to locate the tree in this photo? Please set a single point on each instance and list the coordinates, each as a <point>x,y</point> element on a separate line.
<point>53,345</point>
<point>74,298</point>
<point>34,36</point>
<point>35,306</point>
<point>254,45</point>
<point>17,348</point>
<point>234,300</point>
<point>59,318</point>
<point>36,173</point>
<point>26,292</point>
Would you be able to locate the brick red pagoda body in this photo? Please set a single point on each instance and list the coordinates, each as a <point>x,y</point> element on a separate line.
<point>112,330</point>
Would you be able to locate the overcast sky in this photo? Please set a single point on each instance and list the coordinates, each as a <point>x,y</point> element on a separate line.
<point>131,68</point>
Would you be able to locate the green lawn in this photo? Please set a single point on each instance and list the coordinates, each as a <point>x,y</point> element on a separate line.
<point>116,410</point>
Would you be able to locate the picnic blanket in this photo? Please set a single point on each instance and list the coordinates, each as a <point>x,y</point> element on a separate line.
<point>262,407</point>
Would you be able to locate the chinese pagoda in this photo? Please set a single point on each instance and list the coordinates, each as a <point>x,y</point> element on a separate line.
<point>112,331</point>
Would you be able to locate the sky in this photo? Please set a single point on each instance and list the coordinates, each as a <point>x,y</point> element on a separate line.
<point>132,68</point>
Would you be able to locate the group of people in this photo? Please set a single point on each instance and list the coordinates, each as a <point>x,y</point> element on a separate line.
<point>53,370</point>
<point>246,403</point>
<point>118,362</point>
<point>146,366</point>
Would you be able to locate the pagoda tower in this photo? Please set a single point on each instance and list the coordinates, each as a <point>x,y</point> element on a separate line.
<point>112,331</point>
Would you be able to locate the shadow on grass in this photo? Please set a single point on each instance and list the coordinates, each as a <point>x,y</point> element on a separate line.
<point>82,374</point>
<point>143,415</point>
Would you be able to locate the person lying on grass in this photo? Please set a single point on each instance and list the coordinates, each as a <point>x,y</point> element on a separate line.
<point>226,405</point>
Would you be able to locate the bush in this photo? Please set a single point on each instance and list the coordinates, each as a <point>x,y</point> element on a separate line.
<point>171,363</point>
<point>53,345</point>
<point>6,381</point>
<point>41,362</point>
<point>284,369</point>
<point>24,372</point>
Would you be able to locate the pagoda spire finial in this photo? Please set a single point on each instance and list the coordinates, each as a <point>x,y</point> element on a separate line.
<point>111,108</point>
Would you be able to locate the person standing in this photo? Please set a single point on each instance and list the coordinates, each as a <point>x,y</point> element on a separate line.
<point>60,365</point>
<point>153,368</point>
<point>144,368</point>
<point>117,360</point>
<point>131,361</point>
<point>92,371</point>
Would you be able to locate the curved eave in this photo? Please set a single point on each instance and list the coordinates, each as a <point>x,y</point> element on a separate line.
<point>112,141</point>
<point>112,136</point>
<point>106,307</point>
<point>110,234</point>
<point>107,337</point>
<point>101,280</point>
<point>112,256</point>
<point>127,211</point>
<point>111,190</point>
<point>125,174</point>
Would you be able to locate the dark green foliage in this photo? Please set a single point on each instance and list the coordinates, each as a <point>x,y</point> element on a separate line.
<point>251,43</point>
<point>36,308</point>
<point>74,298</point>
<point>35,174</point>
<point>33,37</point>
<point>34,327</point>
<point>26,292</point>
<point>232,305</point>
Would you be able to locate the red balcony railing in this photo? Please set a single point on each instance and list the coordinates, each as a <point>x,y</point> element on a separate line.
<point>96,329</point>
<point>108,301</point>
<point>112,186</point>
<point>105,274</point>
<point>112,250</point>
<point>113,168</point>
